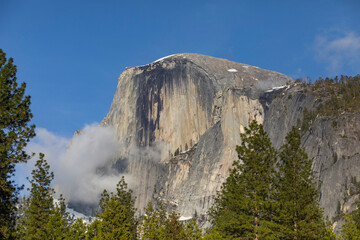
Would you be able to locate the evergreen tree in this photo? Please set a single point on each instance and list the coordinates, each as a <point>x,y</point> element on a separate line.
<point>349,230</point>
<point>125,198</point>
<point>117,218</point>
<point>114,222</point>
<point>77,230</point>
<point>57,226</point>
<point>157,225</point>
<point>15,132</point>
<point>300,216</point>
<point>42,218</point>
<point>351,227</point>
<point>174,229</point>
<point>192,231</point>
<point>178,230</point>
<point>153,224</point>
<point>213,235</point>
<point>93,230</point>
<point>244,208</point>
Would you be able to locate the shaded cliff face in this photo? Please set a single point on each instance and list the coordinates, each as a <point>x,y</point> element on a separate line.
<point>332,143</point>
<point>180,119</point>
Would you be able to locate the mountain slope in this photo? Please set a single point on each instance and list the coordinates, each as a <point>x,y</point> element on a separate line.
<point>180,119</point>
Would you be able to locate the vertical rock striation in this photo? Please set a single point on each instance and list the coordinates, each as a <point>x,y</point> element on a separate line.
<point>189,104</point>
<point>180,119</point>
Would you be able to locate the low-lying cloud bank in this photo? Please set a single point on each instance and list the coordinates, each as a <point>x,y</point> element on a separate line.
<point>76,162</point>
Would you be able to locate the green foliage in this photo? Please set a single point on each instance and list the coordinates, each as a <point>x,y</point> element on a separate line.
<point>245,206</point>
<point>152,226</point>
<point>124,196</point>
<point>42,218</point>
<point>15,133</point>
<point>77,230</point>
<point>116,218</point>
<point>192,231</point>
<point>340,95</point>
<point>114,223</point>
<point>174,229</point>
<point>57,226</point>
<point>351,227</point>
<point>329,233</point>
<point>338,213</point>
<point>93,230</point>
<point>300,216</point>
<point>350,230</point>
<point>213,235</point>
<point>337,97</point>
<point>309,117</point>
<point>256,202</point>
<point>157,225</point>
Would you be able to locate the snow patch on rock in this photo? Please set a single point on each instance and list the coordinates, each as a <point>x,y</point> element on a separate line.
<point>161,59</point>
<point>182,218</point>
<point>277,88</point>
<point>73,215</point>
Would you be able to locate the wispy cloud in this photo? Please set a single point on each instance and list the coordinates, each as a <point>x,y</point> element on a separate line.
<point>338,49</point>
<point>75,162</point>
<point>84,165</point>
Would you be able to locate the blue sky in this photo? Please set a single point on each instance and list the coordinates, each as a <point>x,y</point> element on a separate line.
<point>70,53</point>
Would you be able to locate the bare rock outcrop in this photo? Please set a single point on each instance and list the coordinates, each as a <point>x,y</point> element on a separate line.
<point>192,108</point>
<point>178,102</point>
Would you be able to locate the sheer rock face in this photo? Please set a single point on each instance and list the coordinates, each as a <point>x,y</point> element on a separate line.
<point>197,106</point>
<point>334,146</point>
<point>332,143</point>
<point>176,103</point>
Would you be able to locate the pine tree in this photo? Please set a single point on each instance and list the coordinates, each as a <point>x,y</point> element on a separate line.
<point>42,218</point>
<point>114,222</point>
<point>356,216</point>
<point>77,230</point>
<point>192,231</point>
<point>245,207</point>
<point>157,225</point>
<point>58,225</point>
<point>126,199</point>
<point>300,215</point>
<point>174,229</point>
<point>39,205</point>
<point>116,217</point>
<point>351,227</point>
<point>349,230</point>
<point>93,230</point>
<point>212,235</point>
<point>153,224</point>
<point>15,133</point>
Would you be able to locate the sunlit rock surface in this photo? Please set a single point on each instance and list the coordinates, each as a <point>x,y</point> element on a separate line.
<point>182,102</point>
<point>180,119</point>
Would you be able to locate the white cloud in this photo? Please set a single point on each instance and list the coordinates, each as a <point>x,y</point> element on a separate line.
<point>82,165</point>
<point>338,49</point>
<point>76,170</point>
<point>75,162</point>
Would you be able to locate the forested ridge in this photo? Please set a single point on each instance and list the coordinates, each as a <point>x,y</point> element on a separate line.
<point>337,96</point>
